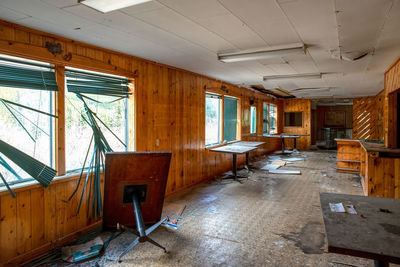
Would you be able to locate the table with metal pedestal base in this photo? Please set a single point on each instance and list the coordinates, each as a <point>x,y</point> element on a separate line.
<point>286,136</point>
<point>141,231</point>
<point>234,150</point>
<point>372,233</point>
<point>248,144</point>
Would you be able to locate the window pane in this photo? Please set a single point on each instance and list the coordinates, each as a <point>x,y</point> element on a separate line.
<point>230,118</point>
<point>265,118</point>
<point>212,120</point>
<point>273,116</point>
<point>78,132</point>
<point>39,126</point>
<point>252,119</point>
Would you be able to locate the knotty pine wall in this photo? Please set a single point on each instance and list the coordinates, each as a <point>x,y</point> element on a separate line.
<point>304,106</point>
<point>169,106</point>
<point>392,87</point>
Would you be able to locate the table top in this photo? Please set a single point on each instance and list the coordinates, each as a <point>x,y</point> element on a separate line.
<point>283,136</point>
<point>233,149</point>
<point>247,143</point>
<point>372,233</point>
<point>295,134</point>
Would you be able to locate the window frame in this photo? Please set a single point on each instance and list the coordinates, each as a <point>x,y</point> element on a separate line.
<point>57,126</point>
<point>220,118</point>
<point>237,118</point>
<point>255,120</point>
<point>51,109</point>
<point>267,118</point>
<point>276,118</point>
<point>125,116</point>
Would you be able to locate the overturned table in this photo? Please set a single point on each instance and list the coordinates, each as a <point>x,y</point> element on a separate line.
<point>234,150</point>
<point>372,233</point>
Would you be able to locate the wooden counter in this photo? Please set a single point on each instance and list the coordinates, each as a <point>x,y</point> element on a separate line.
<point>378,166</point>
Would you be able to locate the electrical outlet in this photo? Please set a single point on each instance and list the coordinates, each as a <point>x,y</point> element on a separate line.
<point>157,142</point>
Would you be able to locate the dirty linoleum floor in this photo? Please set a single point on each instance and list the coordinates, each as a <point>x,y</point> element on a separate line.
<point>269,220</point>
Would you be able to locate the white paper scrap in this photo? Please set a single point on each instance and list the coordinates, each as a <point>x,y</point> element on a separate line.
<point>340,207</point>
<point>270,167</point>
<point>350,209</point>
<point>337,207</point>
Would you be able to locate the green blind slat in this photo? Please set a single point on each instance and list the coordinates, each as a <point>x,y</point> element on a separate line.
<point>230,118</point>
<point>98,84</point>
<point>27,75</point>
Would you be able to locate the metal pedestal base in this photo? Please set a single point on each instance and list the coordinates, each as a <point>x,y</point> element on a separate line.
<point>141,232</point>
<point>235,177</point>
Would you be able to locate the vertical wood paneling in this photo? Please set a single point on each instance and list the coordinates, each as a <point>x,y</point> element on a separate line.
<point>38,217</point>
<point>24,225</point>
<point>304,106</point>
<point>50,219</point>
<point>169,107</point>
<point>8,227</point>
<point>390,106</point>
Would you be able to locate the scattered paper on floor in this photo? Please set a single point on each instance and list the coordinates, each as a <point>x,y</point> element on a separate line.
<point>270,167</point>
<point>285,172</point>
<point>294,159</point>
<point>340,207</point>
<point>279,163</point>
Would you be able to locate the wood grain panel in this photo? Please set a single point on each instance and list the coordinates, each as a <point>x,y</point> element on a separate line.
<point>169,114</point>
<point>364,118</point>
<point>304,106</point>
<point>390,105</point>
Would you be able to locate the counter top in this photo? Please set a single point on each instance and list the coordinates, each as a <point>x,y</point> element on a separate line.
<point>374,147</point>
<point>347,140</point>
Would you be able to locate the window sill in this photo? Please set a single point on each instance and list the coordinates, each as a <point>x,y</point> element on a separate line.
<point>28,185</point>
<point>221,144</point>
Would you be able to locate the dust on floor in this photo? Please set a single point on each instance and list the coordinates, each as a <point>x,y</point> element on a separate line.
<point>269,220</point>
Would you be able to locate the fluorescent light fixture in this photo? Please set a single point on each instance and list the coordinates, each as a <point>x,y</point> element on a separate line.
<point>294,76</point>
<point>110,5</point>
<point>299,90</point>
<point>261,53</point>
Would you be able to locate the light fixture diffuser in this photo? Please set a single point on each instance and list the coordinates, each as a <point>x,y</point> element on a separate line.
<point>261,53</point>
<point>111,5</point>
<point>294,76</point>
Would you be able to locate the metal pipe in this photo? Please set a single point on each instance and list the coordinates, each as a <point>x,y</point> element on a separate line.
<point>139,218</point>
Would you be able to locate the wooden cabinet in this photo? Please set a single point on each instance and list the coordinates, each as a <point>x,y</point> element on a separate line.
<point>379,167</point>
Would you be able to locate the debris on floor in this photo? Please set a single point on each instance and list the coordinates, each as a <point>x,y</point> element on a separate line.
<point>273,158</point>
<point>279,162</point>
<point>171,225</point>
<point>340,207</point>
<point>77,253</point>
<point>173,210</point>
<point>285,172</point>
<point>270,167</point>
<point>174,213</point>
<point>294,159</point>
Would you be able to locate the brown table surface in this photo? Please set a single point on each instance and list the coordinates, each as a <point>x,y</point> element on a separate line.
<point>377,236</point>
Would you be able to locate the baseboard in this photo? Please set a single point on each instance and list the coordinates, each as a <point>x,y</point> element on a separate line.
<point>42,250</point>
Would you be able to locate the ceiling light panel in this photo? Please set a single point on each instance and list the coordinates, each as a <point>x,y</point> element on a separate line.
<point>293,76</point>
<point>111,5</point>
<point>263,53</point>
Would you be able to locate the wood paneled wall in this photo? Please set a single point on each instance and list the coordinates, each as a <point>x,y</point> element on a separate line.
<point>304,106</point>
<point>321,116</point>
<point>169,107</point>
<point>392,87</point>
